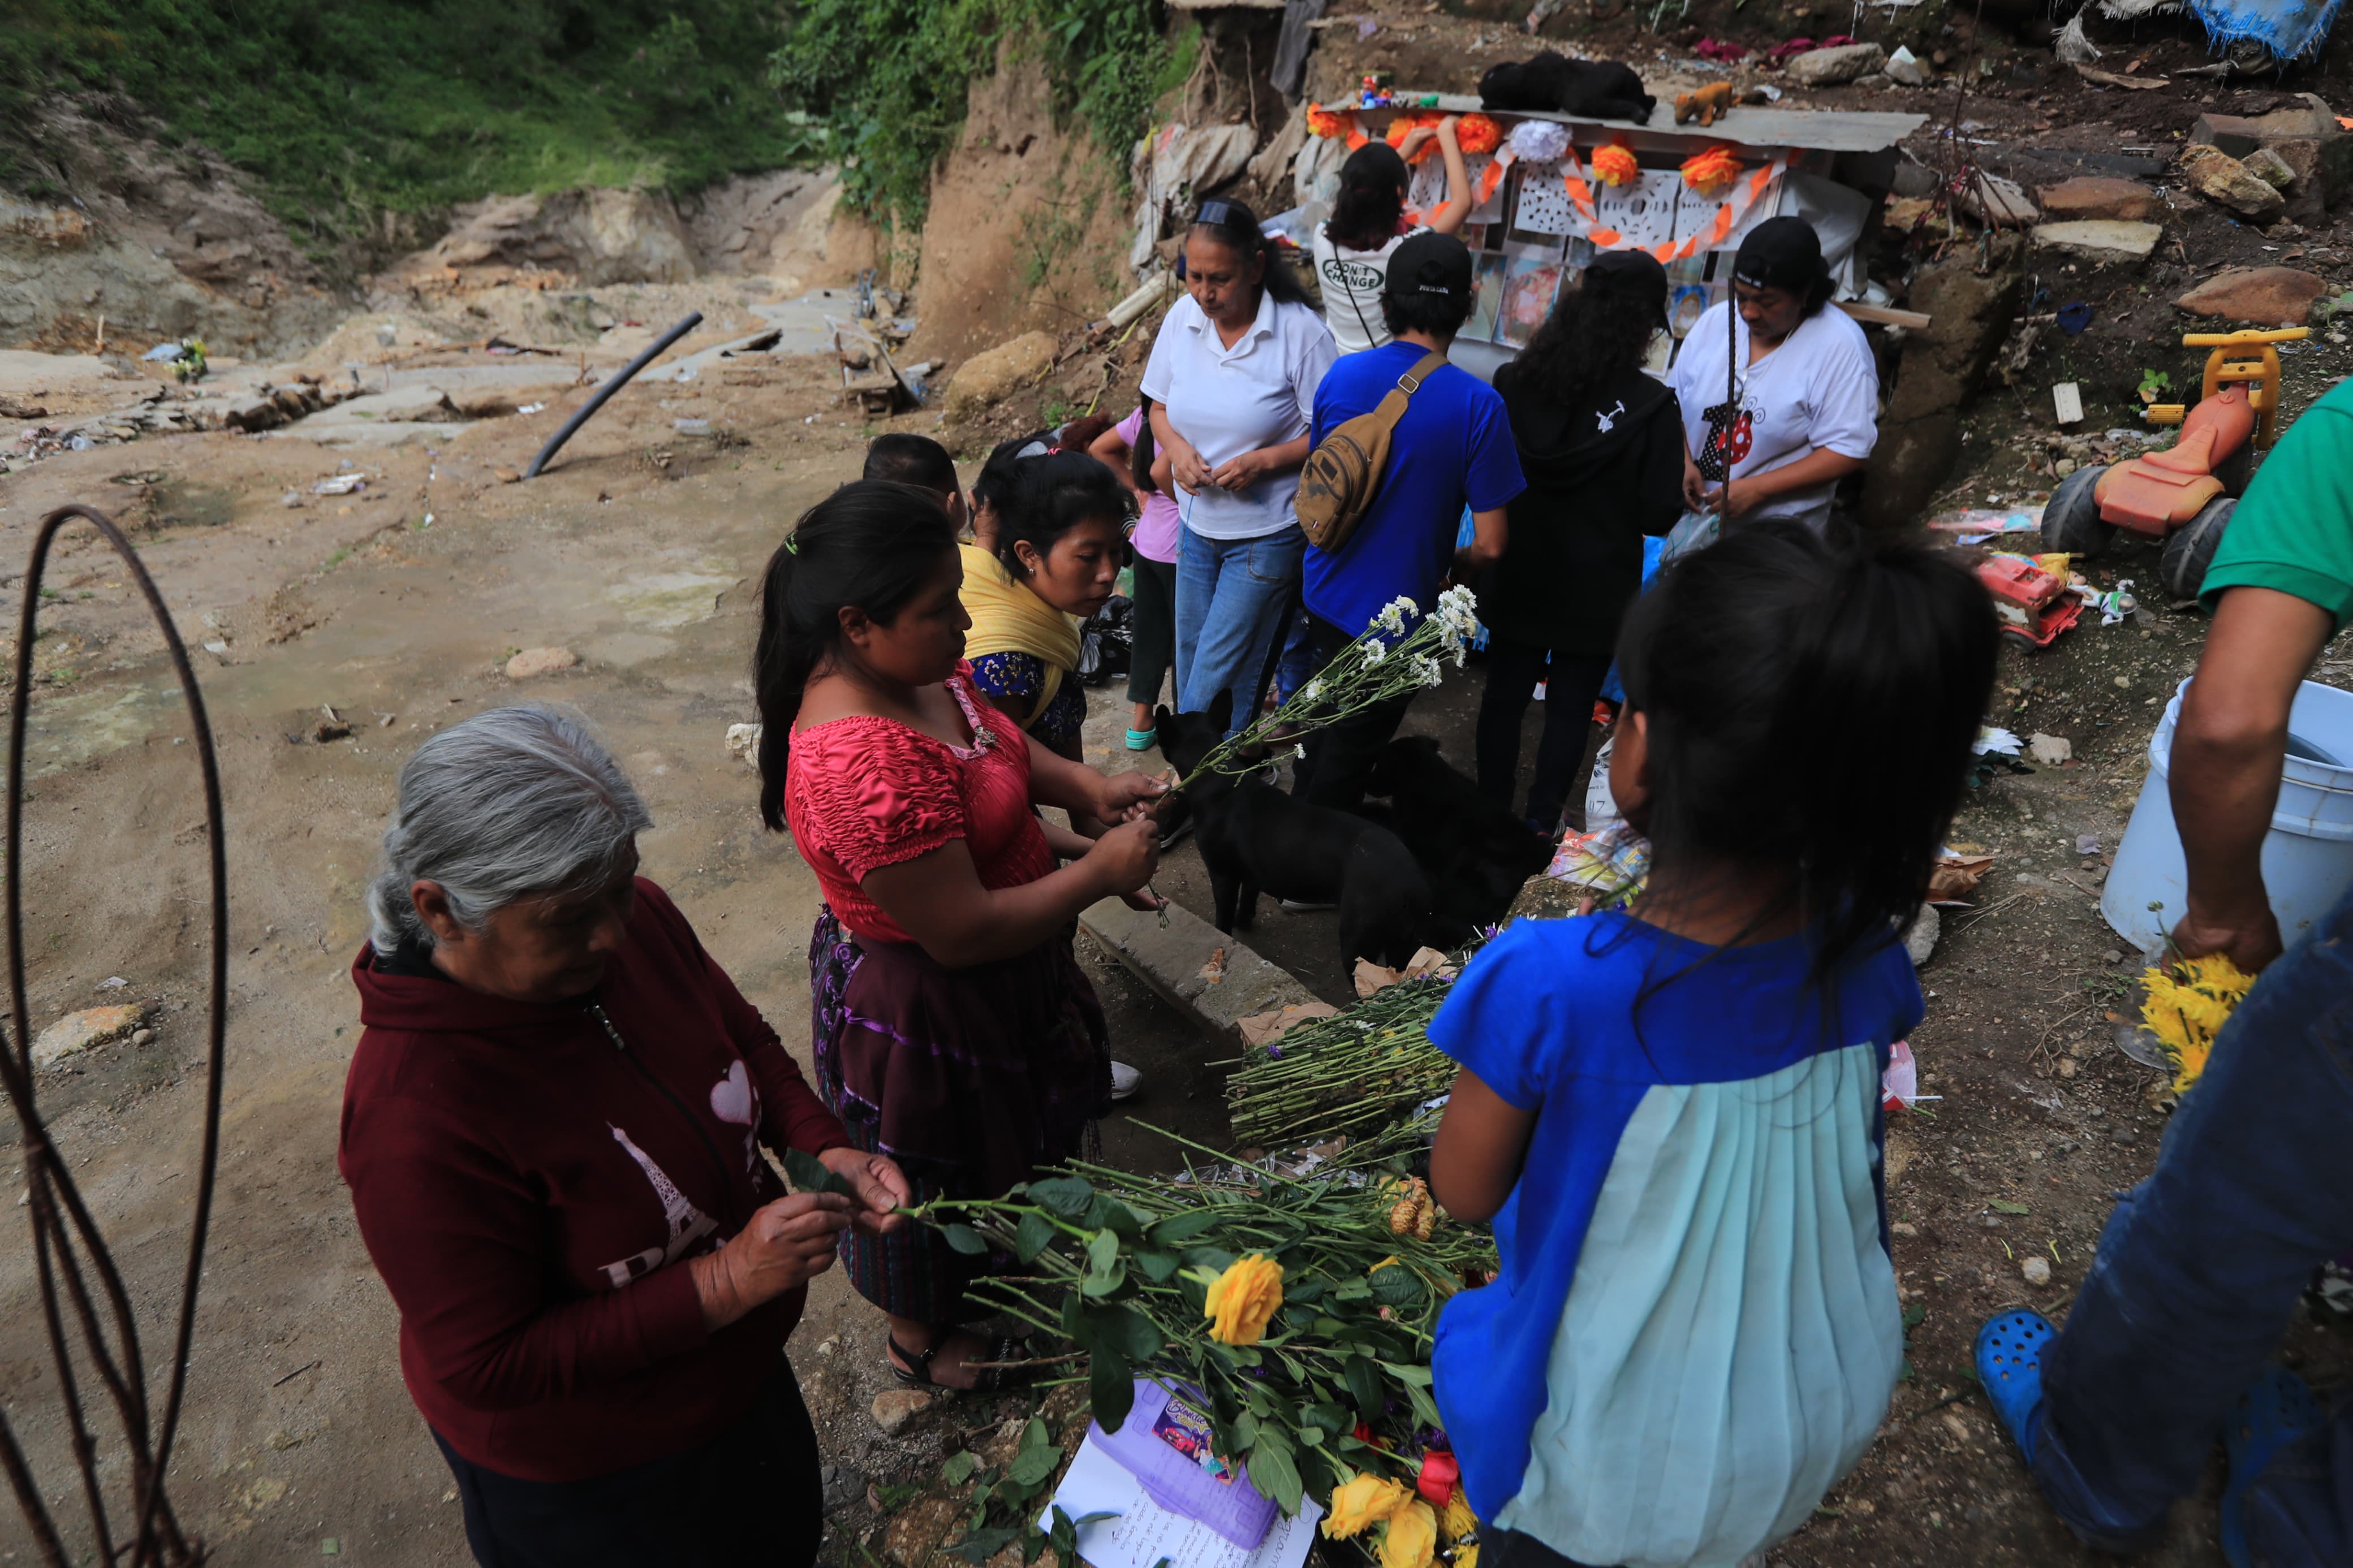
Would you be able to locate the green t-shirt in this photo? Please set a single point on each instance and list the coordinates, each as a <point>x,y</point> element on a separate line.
<point>2294,530</point>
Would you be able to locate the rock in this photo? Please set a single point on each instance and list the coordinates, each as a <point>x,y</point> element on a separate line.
<point>1920,936</point>
<point>1829,68</point>
<point>2049,750</point>
<point>2037,1269</point>
<point>1992,199</point>
<point>1544,897</point>
<point>533,661</point>
<point>2103,242</point>
<point>894,1407</point>
<point>913,1537</point>
<point>254,411</point>
<point>1902,66</point>
<point>1920,434</point>
<point>843,1486</point>
<point>79,1032</point>
<point>2223,179</point>
<point>2269,168</point>
<point>2098,196</point>
<point>2317,175</point>
<point>2309,119</point>
<point>743,743</point>
<point>143,1037</point>
<point>2264,296</point>
<point>1874,81</point>
<point>989,378</point>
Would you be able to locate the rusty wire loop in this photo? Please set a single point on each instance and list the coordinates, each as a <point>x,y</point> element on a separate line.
<point>69,1249</point>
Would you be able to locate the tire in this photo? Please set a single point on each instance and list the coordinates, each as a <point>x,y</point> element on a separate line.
<point>2182,566</point>
<point>2072,520</point>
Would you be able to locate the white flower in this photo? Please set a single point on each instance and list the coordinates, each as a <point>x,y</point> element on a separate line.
<point>1428,668</point>
<point>1311,691</point>
<point>1300,751</point>
<point>1375,652</point>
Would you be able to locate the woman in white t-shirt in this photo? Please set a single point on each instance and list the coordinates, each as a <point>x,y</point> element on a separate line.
<point>1232,381</point>
<point>1804,407</point>
<point>1369,220</point>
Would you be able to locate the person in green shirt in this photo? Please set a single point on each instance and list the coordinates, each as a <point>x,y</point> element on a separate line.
<point>2199,1270</point>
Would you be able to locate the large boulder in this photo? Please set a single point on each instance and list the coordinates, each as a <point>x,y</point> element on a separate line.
<point>2259,296</point>
<point>987,379</point>
<point>1920,434</point>
<point>2309,117</point>
<point>2096,198</point>
<point>1833,67</point>
<point>2223,180</point>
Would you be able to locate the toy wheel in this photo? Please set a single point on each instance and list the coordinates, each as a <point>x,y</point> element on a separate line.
<point>2072,520</point>
<point>2182,567</point>
<point>2236,470</point>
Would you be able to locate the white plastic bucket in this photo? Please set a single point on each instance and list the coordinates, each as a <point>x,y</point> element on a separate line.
<point>2307,855</point>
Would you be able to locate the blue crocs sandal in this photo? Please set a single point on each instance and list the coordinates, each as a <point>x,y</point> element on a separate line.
<point>2275,1410</point>
<point>1142,740</point>
<point>2010,1368</point>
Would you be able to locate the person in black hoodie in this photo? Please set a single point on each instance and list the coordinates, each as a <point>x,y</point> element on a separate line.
<point>1602,443</point>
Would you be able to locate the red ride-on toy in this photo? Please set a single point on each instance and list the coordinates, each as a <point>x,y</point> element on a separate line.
<point>2184,495</point>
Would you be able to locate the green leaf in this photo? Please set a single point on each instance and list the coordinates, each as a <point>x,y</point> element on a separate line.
<point>2003,1206</point>
<point>1178,1229</point>
<point>1105,1273</point>
<point>1397,1286</point>
<point>1068,1197</point>
<point>1032,1235</point>
<point>1031,1466</point>
<point>1364,1385</point>
<point>1158,1266</point>
<point>964,1240</point>
<point>1110,1213</point>
<point>1354,1289</point>
<point>1331,1418</point>
<point>1312,1436</point>
<point>1036,1434</point>
<point>810,1175</point>
<point>1914,1315</point>
<point>1315,1472</point>
<point>958,1467</point>
<point>978,1546</point>
<point>1274,1473</point>
<point>1412,1376</point>
<point>1110,1386</point>
<point>1120,1328</point>
<point>1216,1260</point>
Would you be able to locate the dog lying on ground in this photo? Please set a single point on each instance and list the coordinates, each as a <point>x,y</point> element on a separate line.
<point>1256,839</point>
<point>1592,90</point>
<point>1475,853</point>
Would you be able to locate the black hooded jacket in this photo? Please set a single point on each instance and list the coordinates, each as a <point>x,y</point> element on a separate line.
<point>1600,478</point>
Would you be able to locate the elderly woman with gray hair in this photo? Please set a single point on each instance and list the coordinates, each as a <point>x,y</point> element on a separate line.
<point>551,1131</point>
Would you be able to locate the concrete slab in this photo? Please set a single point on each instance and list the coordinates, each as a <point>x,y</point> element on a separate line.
<point>1175,960</point>
<point>2101,241</point>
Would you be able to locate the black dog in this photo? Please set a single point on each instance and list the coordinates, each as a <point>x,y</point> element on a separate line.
<point>1475,853</point>
<point>1256,839</point>
<point>1592,90</point>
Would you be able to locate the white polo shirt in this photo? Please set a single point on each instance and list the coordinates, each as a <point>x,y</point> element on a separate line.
<point>1818,389</point>
<point>1228,401</point>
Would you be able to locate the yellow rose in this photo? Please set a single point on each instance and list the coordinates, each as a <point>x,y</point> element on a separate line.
<point>1459,1522</point>
<point>1411,1538</point>
<point>1244,1298</point>
<point>1362,1500</point>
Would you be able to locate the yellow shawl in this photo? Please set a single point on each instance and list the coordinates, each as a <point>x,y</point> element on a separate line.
<point>1007,617</point>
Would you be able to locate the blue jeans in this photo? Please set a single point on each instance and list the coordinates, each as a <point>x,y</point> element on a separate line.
<point>1231,596</point>
<point>2198,1272</point>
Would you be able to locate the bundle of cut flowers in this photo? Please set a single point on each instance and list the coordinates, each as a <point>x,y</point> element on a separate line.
<point>1299,1313</point>
<point>1361,1068</point>
<point>2188,1001</point>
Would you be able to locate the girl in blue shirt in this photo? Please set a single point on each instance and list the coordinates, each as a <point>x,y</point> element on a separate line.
<point>1672,1113</point>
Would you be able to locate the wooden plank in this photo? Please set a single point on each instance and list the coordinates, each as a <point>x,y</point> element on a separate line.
<point>1825,131</point>
<point>1882,316</point>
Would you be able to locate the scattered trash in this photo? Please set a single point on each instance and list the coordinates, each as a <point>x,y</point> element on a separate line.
<point>340,485</point>
<point>1899,1085</point>
<point>1904,67</point>
<point>1261,1030</point>
<point>2089,844</point>
<point>531,408</point>
<point>2032,602</point>
<point>1975,525</point>
<point>2067,403</point>
<point>743,743</point>
<point>330,727</point>
<point>1369,976</point>
<point>162,353</point>
<point>112,982</point>
<point>2049,750</point>
<point>1214,971</point>
<point>2114,604</point>
<point>692,426</point>
<point>1608,863</point>
<point>1955,877</point>
<point>2073,318</point>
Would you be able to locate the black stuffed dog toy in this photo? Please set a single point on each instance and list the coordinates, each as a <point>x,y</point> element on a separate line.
<point>1591,90</point>
<point>1256,839</point>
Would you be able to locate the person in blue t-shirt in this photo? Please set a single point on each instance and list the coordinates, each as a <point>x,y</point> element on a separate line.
<point>1453,448</point>
<point>1672,1113</point>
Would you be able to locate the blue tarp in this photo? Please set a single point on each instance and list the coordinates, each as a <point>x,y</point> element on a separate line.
<point>2289,28</point>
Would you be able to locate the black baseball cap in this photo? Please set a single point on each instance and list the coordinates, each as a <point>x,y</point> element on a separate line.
<point>1781,253</point>
<point>1634,276</point>
<point>1430,264</point>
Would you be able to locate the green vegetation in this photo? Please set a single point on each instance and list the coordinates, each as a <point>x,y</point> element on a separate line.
<point>346,110</point>
<point>350,109</point>
<point>886,79</point>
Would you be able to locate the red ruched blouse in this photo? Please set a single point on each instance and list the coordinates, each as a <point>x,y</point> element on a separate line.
<point>862,793</point>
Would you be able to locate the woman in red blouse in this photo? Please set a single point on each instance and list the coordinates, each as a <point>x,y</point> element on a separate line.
<point>952,1026</point>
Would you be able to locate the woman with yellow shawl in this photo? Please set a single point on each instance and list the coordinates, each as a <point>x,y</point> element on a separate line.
<point>1060,540</point>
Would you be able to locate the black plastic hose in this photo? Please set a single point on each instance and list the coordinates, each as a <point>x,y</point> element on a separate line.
<point>597,399</point>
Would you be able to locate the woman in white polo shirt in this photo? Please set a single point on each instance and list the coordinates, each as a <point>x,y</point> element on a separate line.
<point>1232,381</point>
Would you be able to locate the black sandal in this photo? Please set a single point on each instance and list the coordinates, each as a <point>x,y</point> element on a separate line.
<point>992,1365</point>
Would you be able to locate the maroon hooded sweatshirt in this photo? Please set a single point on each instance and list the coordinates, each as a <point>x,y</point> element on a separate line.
<point>532,1179</point>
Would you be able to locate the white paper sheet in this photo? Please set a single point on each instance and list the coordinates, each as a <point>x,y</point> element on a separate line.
<point>1144,1532</point>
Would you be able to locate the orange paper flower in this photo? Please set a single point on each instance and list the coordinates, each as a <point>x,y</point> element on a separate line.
<point>1613,165</point>
<point>1476,134</point>
<point>1712,172</point>
<point>1403,124</point>
<point>1323,121</point>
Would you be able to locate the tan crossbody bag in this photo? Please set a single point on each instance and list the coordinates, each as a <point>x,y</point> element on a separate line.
<point>1344,472</point>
